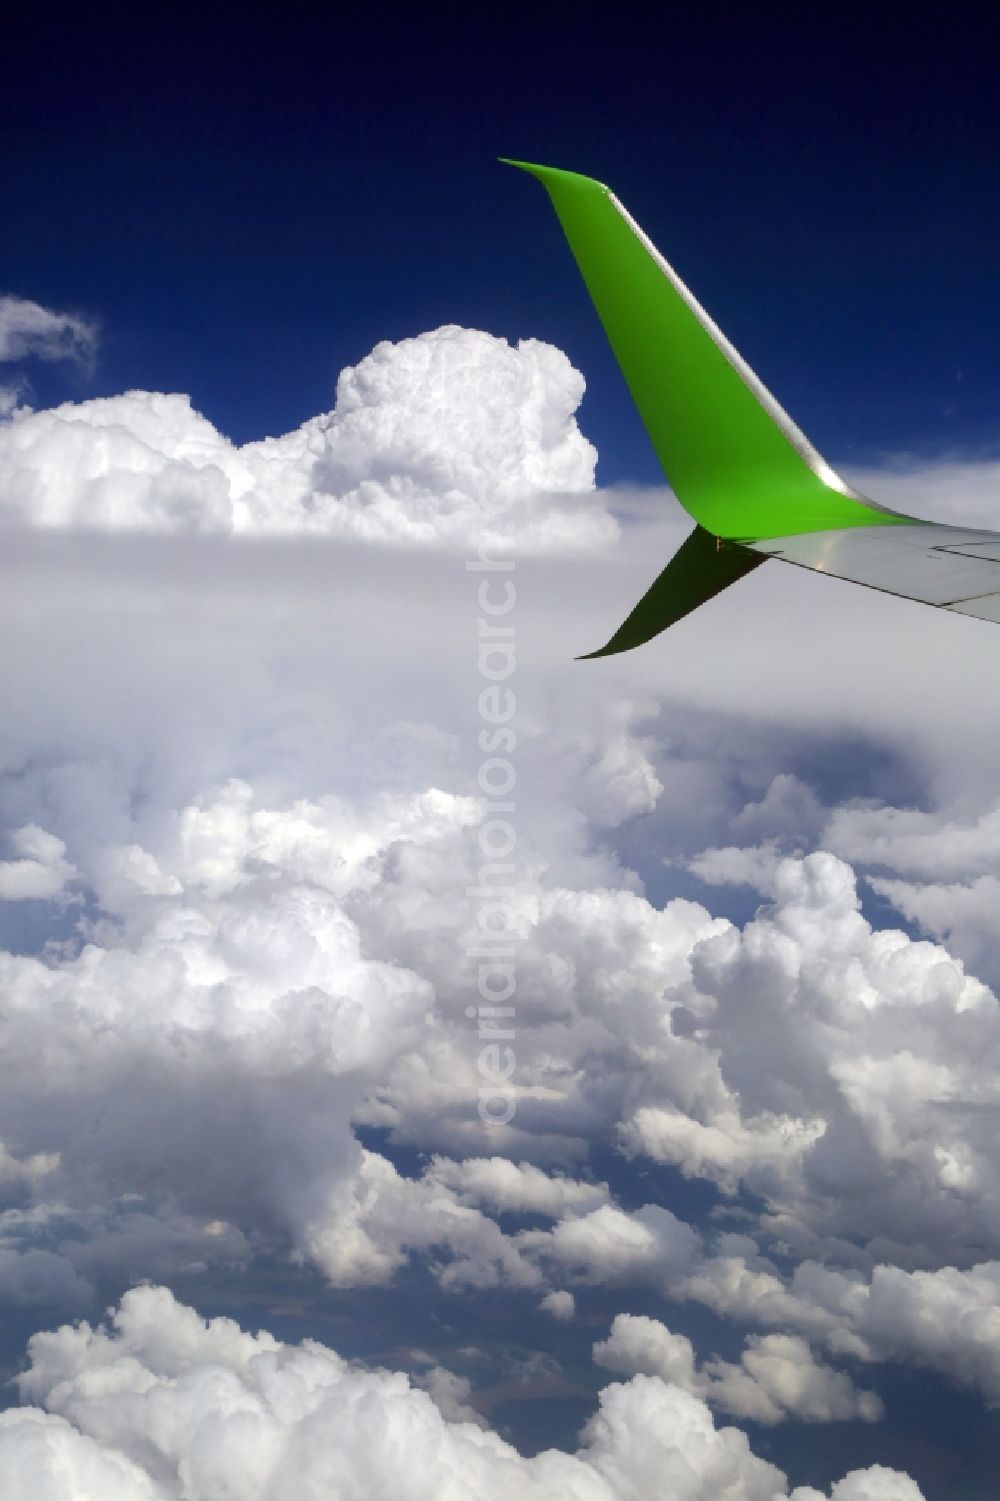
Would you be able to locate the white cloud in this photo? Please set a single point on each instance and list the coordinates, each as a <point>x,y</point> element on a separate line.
<point>30,331</point>
<point>737,865</point>
<point>608,1245</point>
<point>517,1187</point>
<point>940,869</point>
<point>163,1405</point>
<point>946,1320</point>
<point>845,1073</point>
<point>255,760</point>
<point>560,1304</point>
<point>10,398</point>
<point>44,1458</point>
<point>777,1376</point>
<point>916,842</point>
<point>432,441</point>
<point>40,871</point>
<point>196,1007</point>
<point>875,1484</point>
<point>638,1345</point>
<point>242,938</point>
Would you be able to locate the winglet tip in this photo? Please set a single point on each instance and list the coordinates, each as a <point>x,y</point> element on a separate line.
<point>550,176</point>
<point>532,167</point>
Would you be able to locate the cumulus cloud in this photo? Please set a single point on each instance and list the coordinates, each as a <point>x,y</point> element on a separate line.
<point>450,1394</point>
<point>432,441</point>
<point>846,1073</point>
<point>40,868</point>
<point>944,1320</point>
<point>939,868</point>
<point>559,1303</point>
<point>609,1245</point>
<point>875,1484</point>
<point>777,1376</point>
<point>195,1009</point>
<point>638,1345</point>
<point>30,331</point>
<point>161,1404</point>
<point>253,767</point>
<point>217,981</point>
<point>516,1187</point>
<point>250,977</point>
<point>916,841</point>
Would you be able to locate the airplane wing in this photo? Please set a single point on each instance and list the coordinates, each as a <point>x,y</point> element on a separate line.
<point>751,480</point>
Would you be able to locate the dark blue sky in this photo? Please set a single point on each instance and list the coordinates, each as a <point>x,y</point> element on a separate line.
<point>248,202</point>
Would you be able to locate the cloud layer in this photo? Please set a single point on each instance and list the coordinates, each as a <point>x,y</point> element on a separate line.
<point>239,787</point>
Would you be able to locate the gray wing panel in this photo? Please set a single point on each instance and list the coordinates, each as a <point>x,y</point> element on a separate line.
<point>951,567</point>
<point>986,607</point>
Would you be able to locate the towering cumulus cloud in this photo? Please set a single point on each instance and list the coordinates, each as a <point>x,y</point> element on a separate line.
<point>240,809</point>
<point>422,435</point>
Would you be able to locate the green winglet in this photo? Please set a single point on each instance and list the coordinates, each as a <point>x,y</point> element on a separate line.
<point>735,460</point>
<point>701,567</point>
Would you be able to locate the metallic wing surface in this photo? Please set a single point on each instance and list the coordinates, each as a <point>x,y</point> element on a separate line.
<point>751,480</point>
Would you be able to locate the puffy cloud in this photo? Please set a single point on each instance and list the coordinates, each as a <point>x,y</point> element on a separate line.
<point>196,1005</point>
<point>40,869</point>
<point>647,1433</point>
<point>738,865</point>
<point>450,1394</point>
<point>222,985</point>
<point>256,760</point>
<point>517,1187</point>
<point>608,1245</point>
<point>432,441</point>
<point>848,1073</point>
<point>638,1345</point>
<point>961,913</point>
<point>30,331</point>
<point>44,1458</point>
<point>559,1303</point>
<point>875,1484</point>
<point>275,958</point>
<point>386,1217</point>
<point>162,1405</point>
<point>945,1320</point>
<point>915,841</point>
<point>777,1376</point>
<point>939,866</point>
